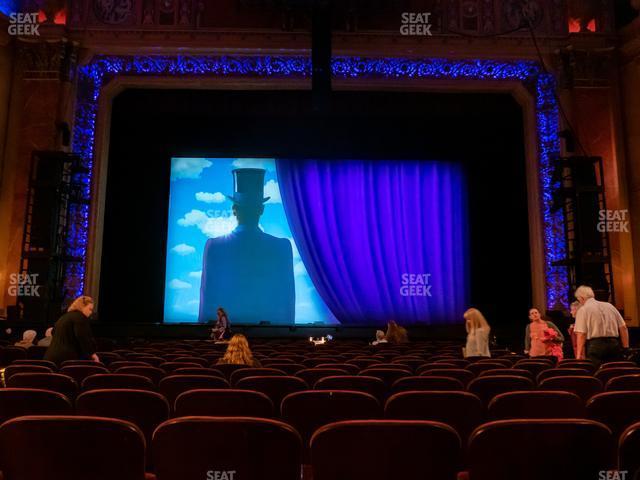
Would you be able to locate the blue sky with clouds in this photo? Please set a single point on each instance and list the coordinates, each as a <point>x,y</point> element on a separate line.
<point>199,210</point>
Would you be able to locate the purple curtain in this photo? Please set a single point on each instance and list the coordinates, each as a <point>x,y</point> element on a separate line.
<point>381,239</point>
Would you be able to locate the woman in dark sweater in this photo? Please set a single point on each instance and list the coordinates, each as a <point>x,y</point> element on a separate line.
<point>72,338</point>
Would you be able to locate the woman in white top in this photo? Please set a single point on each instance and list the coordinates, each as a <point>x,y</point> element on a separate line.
<point>477,334</point>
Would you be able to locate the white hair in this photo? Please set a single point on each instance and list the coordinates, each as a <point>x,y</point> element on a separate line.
<point>584,293</point>
<point>379,335</point>
<point>29,335</point>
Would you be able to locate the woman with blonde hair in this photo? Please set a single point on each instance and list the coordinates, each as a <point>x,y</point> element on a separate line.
<point>478,330</point>
<point>396,333</point>
<point>72,339</point>
<point>239,353</point>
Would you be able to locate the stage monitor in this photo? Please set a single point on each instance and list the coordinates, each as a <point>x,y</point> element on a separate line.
<point>292,242</point>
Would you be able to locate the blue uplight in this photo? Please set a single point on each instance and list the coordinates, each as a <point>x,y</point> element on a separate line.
<point>93,76</point>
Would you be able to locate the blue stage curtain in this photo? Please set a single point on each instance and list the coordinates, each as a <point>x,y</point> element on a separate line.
<point>363,228</point>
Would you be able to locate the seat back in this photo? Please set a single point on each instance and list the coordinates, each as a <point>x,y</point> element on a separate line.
<point>143,408</point>
<point>478,367</point>
<point>360,383</point>
<point>174,385</point>
<point>42,363</point>
<point>461,410</point>
<point>488,387</point>
<point>223,403</point>
<point>237,375</point>
<point>536,404</point>
<point>562,372</point>
<point>518,372</point>
<point>275,387</point>
<point>312,375</point>
<point>623,382</point>
<point>154,374</point>
<point>189,448</point>
<point>387,375</point>
<point>629,451</point>
<point>584,387</point>
<point>80,372</point>
<point>116,381</point>
<point>71,448</point>
<point>228,368</point>
<point>465,376</point>
<point>606,374</point>
<point>385,449</point>
<point>47,381</point>
<point>16,402</point>
<point>424,382</point>
<point>13,369</point>
<point>309,410</point>
<point>617,410</point>
<point>562,449</point>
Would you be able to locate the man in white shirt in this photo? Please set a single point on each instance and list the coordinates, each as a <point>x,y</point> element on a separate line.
<point>600,329</point>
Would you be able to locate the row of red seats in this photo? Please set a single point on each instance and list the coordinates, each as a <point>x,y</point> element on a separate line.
<point>232,448</point>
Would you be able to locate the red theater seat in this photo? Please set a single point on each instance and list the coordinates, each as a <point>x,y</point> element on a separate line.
<point>360,383</point>
<point>47,381</point>
<point>617,410</point>
<point>227,368</point>
<point>288,368</point>
<point>170,367</point>
<point>254,372</point>
<point>154,374</point>
<point>312,375</point>
<point>518,372</point>
<point>10,354</point>
<point>385,450</point>
<point>223,403</point>
<point>200,361</point>
<point>584,387</point>
<point>174,385</point>
<point>622,364</point>
<point>73,363</point>
<point>113,381</point>
<point>461,410</point>
<point>478,367</point>
<point>562,372</point>
<point>199,371</point>
<point>534,366</point>
<point>275,387</point>
<point>624,382</point>
<point>572,363</point>
<point>42,363</point>
<point>13,369</point>
<point>143,408</point>
<point>308,410</point>
<point>350,368</point>
<point>465,376</point>
<point>537,404</point>
<point>562,449</point>
<point>80,372</point>
<point>426,383</point>
<point>113,366</point>
<point>629,452</point>
<point>493,361</point>
<point>71,448</point>
<point>16,402</point>
<point>606,374</point>
<point>387,375</point>
<point>254,449</point>
<point>488,387</point>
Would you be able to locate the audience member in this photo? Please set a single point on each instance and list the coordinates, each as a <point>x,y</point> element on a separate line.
<point>542,337</point>
<point>72,338</point>
<point>396,333</point>
<point>28,338</point>
<point>379,338</point>
<point>239,353</point>
<point>478,330</point>
<point>221,331</point>
<point>600,329</point>
<point>46,341</point>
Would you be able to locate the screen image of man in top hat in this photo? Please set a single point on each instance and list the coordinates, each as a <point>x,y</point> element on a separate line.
<point>249,273</point>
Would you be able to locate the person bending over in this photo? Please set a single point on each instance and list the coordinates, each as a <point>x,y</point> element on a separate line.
<point>72,338</point>
<point>478,330</point>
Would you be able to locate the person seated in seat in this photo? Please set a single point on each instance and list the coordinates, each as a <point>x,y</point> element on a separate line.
<point>379,338</point>
<point>46,341</point>
<point>542,337</point>
<point>396,333</point>
<point>27,339</point>
<point>239,353</point>
<point>478,330</point>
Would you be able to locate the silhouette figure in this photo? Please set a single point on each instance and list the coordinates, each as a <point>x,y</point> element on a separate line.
<point>248,271</point>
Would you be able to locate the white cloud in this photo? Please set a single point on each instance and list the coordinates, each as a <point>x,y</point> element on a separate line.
<point>177,284</point>
<point>299,269</point>
<point>268,164</point>
<point>208,197</point>
<point>183,249</point>
<point>209,226</point>
<point>271,189</point>
<point>188,167</point>
<point>197,274</point>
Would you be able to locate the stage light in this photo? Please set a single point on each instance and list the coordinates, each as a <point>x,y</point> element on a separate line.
<point>93,76</point>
